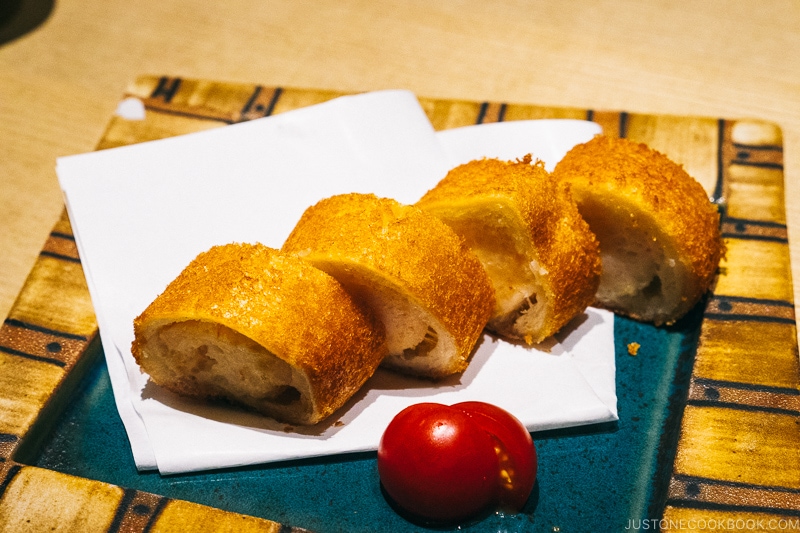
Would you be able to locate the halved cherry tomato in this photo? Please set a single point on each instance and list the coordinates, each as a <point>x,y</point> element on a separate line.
<point>448,463</point>
<point>515,450</point>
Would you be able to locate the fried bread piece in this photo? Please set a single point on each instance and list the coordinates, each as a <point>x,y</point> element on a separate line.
<point>543,261</point>
<point>659,233</point>
<point>427,287</point>
<point>260,328</point>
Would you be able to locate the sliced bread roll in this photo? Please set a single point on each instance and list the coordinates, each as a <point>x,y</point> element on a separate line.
<point>427,287</point>
<point>659,233</point>
<point>262,329</point>
<point>542,259</point>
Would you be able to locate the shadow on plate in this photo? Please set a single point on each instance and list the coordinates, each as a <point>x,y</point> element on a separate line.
<point>18,17</point>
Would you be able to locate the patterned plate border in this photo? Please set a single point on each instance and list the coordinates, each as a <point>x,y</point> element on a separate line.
<point>737,458</point>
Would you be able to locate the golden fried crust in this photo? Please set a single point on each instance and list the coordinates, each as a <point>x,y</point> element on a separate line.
<point>411,248</point>
<point>637,175</point>
<point>295,311</point>
<point>559,238</point>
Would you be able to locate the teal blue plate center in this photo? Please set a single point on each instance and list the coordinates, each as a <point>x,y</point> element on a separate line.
<point>596,478</point>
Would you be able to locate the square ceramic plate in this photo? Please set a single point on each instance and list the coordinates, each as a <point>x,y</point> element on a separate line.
<point>709,427</point>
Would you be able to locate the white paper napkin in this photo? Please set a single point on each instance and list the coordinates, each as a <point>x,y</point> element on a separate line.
<point>140,213</point>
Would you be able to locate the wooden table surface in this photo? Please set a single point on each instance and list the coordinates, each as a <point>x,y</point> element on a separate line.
<point>60,83</point>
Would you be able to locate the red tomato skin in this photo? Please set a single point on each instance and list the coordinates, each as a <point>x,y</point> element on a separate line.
<point>517,447</point>
<point>437,464</point>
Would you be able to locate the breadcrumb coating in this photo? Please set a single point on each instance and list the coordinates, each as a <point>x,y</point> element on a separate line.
<point>296,312</point>
<point>639,187</point>
<point>542,224</point>
<point>406,248</point>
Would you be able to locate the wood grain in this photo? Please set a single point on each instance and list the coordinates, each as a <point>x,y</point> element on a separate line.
<point>740,431</point>
<point>659,61</point>
<point>61,82</point>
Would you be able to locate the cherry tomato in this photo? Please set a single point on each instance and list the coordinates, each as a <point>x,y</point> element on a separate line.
<point>448,463</point>
<point>515,450</point>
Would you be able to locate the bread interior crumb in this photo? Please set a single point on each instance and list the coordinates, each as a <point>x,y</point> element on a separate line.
<point>640,272</point>
<point>205,359</point>
<point>417,343</point>
<point>503,247</point>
